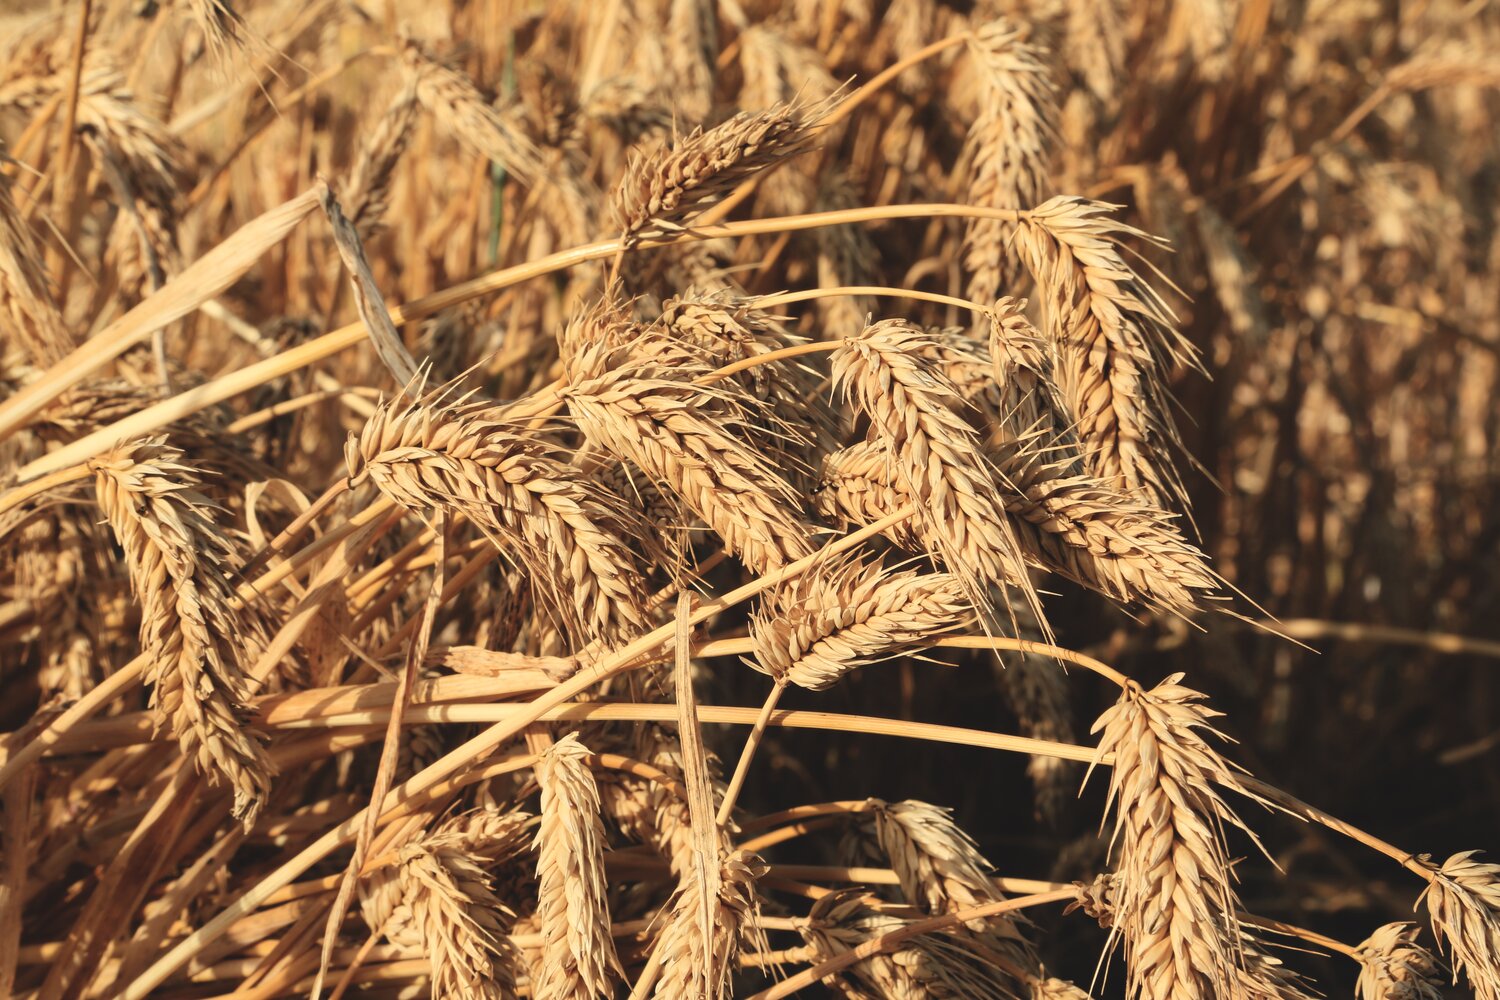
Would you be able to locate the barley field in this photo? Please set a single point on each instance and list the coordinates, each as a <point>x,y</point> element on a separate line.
<point>689,499</point>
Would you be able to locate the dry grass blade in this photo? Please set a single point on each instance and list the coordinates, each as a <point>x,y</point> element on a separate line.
<point>1463,901</point>
<point>1394,967</point>
<point>821,625</point>
<point>371,304</point>
<point>578,955</point>
<point>196,643</point>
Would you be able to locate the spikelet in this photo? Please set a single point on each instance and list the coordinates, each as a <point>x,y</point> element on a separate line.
<point>1114,338</point>
<point>1056,989</point>
<point>640,405</point>
<point>941,869</point>
<point>1463,901</point>
<point>698,967</point>
<point>460,922</point>
<point>820,625</point>
<point>1173,903</point>
<point>932,453</point>
<point>660,189</point>
<point>1008,147</point>
<point>198,646</point>
<point>1394,967</point>
<point>578,953</point>
<point>575,538</point>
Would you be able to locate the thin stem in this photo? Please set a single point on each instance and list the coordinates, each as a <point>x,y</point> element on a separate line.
<point>81,710</point>
<point>11,499</point>
<point>752,743</point>
<point>884,291</point>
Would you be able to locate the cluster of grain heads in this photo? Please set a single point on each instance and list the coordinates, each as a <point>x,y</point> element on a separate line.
<point>578,955</point>
<point>681,436</point>
<point>196,639</point>
<point>932,454</point>
<point>1463,901</point>
<point>1173,897</point>
<point>1393,966</point>
<point>818,626</point>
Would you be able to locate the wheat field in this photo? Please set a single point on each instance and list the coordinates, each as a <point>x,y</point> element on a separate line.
<point>687,499</point>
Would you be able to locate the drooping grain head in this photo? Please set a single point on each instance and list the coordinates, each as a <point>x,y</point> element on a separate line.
<point>460,922</point>
<point>545,514</point>
<point>1009,146</point>
<point>830,620</point>
<point>698,965</point>
<point>197,643</point>
<point>933,454</point>
<point>661,189</point>
<point>455,101</point>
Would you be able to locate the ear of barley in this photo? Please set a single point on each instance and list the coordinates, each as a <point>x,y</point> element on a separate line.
<point>662,188</point>
<point>1393,966</point>
<point>1463,901</point>
<point>1115,337</point>
<point>683,436</point>
<point>941,870</point>
<point>1173,899</point>
<point>933,454</point>
<point>1009,146</point>
<point>822,624</point>
<point>453,99</point>
<point>578,954</point>
<point>197,645</point>
<point>696,963</point>
<point>541,513</point>
<point>460,922</point>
